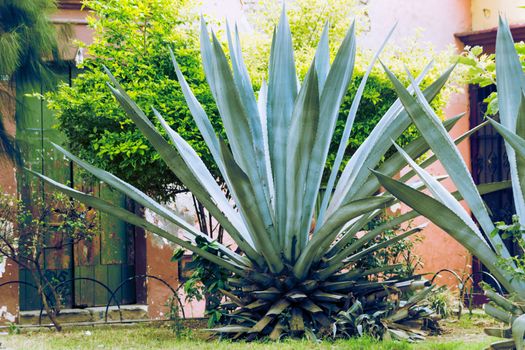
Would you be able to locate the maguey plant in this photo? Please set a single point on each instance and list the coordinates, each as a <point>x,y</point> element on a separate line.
<point>293,261</point>
<point>482,239</point>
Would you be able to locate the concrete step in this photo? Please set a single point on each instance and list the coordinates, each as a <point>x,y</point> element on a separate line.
<point>90,314</point>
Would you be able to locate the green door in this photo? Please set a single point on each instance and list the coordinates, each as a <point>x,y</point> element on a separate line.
<point>108,258</point>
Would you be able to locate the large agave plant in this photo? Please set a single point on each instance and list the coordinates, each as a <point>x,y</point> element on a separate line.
<point>445,211</point>
<point>288,274</point>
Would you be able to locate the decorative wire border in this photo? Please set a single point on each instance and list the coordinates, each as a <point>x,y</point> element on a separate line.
<point>463,285</point>
<point>463,292</point>
<point>111,292</point>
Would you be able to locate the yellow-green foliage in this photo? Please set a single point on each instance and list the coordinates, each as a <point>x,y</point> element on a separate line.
<point>132,37</point>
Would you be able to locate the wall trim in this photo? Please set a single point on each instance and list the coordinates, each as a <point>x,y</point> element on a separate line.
<point>70,4</point>
<point>487,37</point>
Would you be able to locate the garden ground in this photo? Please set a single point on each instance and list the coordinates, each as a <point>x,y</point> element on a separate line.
<point>466,333</point>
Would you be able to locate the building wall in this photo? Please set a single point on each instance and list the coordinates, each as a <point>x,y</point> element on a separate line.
<point>485,13</point>
<point>437,21</point>
<point>8,270</point>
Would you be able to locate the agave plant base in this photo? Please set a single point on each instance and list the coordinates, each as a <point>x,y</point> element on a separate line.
<point>291,308</point>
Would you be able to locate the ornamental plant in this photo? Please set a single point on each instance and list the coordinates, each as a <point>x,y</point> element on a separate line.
<point>131,38</point>
<point>446,212</point>
<point>294,268</point>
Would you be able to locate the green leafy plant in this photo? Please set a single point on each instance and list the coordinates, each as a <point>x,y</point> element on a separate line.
<point>26,233</point>
<point>514,232</point>
<point>131,38</point>
<point>446,211</point>
<point>206,281</point>
<point>441,301</point>
<point>28,39</point>
<point>292,267</point>
<point>137,55</point>
<point>173,315</point>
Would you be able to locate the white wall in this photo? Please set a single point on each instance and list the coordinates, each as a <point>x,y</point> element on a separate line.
<point>485,12</point>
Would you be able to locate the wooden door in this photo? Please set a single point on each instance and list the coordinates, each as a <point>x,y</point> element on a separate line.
<point>109,257</point>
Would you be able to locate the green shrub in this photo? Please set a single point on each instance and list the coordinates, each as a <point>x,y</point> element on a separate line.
<point>132,38</point>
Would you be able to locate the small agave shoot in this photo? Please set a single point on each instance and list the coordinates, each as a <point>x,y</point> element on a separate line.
<point>288,279</point>
<point>446,212</point>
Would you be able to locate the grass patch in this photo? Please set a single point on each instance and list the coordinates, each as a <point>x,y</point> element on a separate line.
<point>466,333</point>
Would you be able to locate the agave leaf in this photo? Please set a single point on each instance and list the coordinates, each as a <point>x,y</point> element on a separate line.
<point>247,97</point>
<point>509,76</point>
<point>368,155</point>
<point>335,264</point>
<point>518,331</point>
<point>207,55</point>
<point>246,144</point>
<point>397,162</point>
<point>520,160</point>
<point>346,132</point>
<point>499,314</point>
<point>197,166</point>
<point>445,218</point>
<point>322,57</point>
<point>200,117</point>
<point>331,97</point>
<point>171,157</point>
<point>251,211</point>
<point>440,192</point>
<point>261,105</point>
<point>200,172</point>
<point>443,147</point>
<point>432,159</point>
<point>344,251</point>
<point>146,201</point>
<point>127,216</point>
<point>301,139</point>
<point>502,302</point>
<point>511,84</point>
<point>517,143</point>
<point>282,92</point>
<point>398,220</point>
<point>330,229</point>
<point>278,307</point>
<point>500,333</point>
<point>349,234</point>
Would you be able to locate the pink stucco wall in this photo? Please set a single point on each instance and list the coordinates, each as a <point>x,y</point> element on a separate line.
<point>9,270</point>
<point>438,21</point>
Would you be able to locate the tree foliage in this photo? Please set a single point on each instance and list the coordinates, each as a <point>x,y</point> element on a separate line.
<point>28,43</point>
<point>132,38</point>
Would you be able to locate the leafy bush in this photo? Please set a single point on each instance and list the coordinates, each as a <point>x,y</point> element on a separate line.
<point>479,68</point>
<point>26,233</point>
<point>132,39</point>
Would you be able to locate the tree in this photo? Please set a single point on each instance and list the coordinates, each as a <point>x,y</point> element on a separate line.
<point>28,46</point>
<point>26,234</point>
<point>132,39</point>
